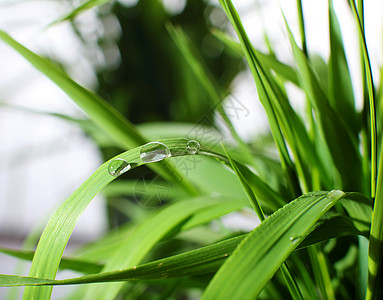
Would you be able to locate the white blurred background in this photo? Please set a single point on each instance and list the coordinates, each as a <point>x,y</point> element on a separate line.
<point>44,159</point>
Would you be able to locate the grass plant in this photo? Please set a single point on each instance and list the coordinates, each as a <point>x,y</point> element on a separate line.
<point>319,199</point>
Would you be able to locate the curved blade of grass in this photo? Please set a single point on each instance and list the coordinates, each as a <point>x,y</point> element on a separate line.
<point>82,7</point>
<point>341,143</point>
<point>136,247</point>
<point>291,284</point>
<point>60,227</point>
<point>179,216</point>
<point>264,97</point>
<point>100,112</point>
<point>262,252</point>
<point>196,262</point>
<point>291,124</point>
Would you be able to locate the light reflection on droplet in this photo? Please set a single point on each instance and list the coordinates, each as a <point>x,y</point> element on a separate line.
<point>154,151</point>
<point>118,166</point>
<point>193,147</point>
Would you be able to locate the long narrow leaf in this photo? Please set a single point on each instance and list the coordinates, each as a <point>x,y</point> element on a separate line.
<point>61,225</point>
<point>341,143</point>
<point>196,262</point>
<point>98,110</point>
<point>275,126</point>
<point>341,94</point>
<point>262,252</point>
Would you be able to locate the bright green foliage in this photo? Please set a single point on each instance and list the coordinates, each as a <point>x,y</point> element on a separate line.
<point>318,197</point>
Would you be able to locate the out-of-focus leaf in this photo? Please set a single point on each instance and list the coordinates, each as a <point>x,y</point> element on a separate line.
<point>82,7</point>
<point>285,71</point>
<point>73,264</point>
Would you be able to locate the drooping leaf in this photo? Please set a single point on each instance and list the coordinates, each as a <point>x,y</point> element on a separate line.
<point>208,259</point>
<point>99,111</point>
<point>263,251</point>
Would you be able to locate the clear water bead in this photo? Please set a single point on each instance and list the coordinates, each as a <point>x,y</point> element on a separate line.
<point>118,166</point>
<point>193,147</point>
<point>154,151</point>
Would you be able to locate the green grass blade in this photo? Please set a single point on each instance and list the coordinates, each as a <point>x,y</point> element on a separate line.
<point>100,112</point>
<point>371,95</point>
<point>250,193</point>
<point>302,27</point>
<point>341,144</point>
<point>293,288</point>
<point>61,225</point>
<point>82,7</point>
<point>321,274</point>
<point>73,264</point>
<point>200,261</point>
<point>267,195</point>
<point>332,226</point>
<point>359,208</point>
<point>203,260</point>
<point>291,283</point>
<point>255,69</point>
<point>130,253</point>
<point>375,247</point>
<point>341,94</point>
<point>206,79</point>
<point>257,258</point>
<point>285,71</point>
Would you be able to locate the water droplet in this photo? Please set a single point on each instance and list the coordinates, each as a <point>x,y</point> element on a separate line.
<point>118,166</point>
<point>193,147</point>
<point>225,255</point>
<point>294,239</point>
<point>332,194</point>
<point>135,267</point>
<point>154,151</point>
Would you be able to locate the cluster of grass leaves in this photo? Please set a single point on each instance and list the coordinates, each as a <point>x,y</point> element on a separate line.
<point>308,247</point>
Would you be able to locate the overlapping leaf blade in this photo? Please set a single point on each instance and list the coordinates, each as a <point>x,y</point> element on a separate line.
<point>341,143</point>
<point>256,259</point>
<point>61,225</point>
<point>341,94</point>
<point>99,111</point>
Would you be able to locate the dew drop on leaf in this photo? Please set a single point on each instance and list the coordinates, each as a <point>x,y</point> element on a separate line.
<point>193,147</point>
<point>154,151</point>
<point>118,166</point>
<point>332,194</point>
